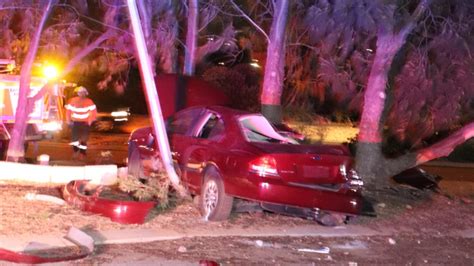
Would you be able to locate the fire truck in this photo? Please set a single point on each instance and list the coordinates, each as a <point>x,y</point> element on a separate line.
<point>46,117</point>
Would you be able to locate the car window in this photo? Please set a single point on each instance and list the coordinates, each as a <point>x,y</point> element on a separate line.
<point>213,129</point>
<point>183,121</point>
<point>256,128</point>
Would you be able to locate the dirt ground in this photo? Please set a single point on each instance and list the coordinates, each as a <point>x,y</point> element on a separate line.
<point>404,250</point>
<point>423,226</point>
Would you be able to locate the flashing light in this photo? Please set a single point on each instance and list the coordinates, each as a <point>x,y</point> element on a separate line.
<point>50,72</point>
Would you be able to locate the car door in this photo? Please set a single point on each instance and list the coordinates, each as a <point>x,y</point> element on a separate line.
<point>206,148</point>
<point>180,128</point>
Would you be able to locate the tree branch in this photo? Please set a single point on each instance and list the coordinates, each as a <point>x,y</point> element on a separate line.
<point>73,62</point>
<point>250,20</point>
<point>446,146</point>
<point>412,22</point>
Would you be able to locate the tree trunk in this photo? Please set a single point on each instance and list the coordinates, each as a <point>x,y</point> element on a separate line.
<point>191,38</point>
<point>369,157</point>
<point>370,161</point>
<point>169,53</point>
<point>16,149</point>
<point>275,64</point>
<point>152,99</point>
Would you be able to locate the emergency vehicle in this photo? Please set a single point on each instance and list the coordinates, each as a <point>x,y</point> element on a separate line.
<point>46,117</point>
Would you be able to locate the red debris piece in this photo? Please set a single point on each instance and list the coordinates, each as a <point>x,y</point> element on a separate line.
<point>124,212</point>
<point>17,257</point>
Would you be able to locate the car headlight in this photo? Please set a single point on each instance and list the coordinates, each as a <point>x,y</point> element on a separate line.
<point>119,114</point>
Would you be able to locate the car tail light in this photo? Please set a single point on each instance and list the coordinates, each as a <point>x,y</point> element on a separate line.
<point>342,170</point>
<point>264,166</point>
<point>355,181</point>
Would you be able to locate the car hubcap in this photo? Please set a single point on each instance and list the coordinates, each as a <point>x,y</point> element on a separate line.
<point>211,196</point>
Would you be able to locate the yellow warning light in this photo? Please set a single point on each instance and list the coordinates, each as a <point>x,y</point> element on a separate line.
<point>50,72</point>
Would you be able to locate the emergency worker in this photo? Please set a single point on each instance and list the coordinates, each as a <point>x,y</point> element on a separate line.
<point>80,113</point>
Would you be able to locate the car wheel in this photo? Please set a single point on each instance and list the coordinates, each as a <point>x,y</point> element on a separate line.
<point>216,205</point>
<point>135,168</point>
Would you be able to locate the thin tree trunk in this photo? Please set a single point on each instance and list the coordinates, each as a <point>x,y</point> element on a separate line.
<point>146,21</point>
<point>191,38</point>
<point>153,101</point>
<point>169,53</point>
<point>275,64</point>
<point>16,147</point>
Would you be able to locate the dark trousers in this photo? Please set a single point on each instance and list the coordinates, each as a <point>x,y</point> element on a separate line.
<point>80,135</point>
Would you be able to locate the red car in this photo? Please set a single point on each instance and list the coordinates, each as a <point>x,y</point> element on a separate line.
<point>222,154</point>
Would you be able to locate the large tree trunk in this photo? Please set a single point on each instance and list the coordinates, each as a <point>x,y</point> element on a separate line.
<point>370,161</point>
<point>369,145</point>
<point>191,38</point>
<point>275,64</point>
<point>16,147</point>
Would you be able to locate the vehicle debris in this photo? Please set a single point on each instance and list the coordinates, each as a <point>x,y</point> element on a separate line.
<point>76,236</point>
<point>323,250</point>
<point>47,198</point>
<point>76,193</point>
<point>392,241</point>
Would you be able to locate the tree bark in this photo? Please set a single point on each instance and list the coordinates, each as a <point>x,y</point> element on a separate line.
<point>370,161</point>
<point>369,156</point>
<point>275,64</point>
<point>153,100</point>
<point>191,38</point>
<point>16,147</point>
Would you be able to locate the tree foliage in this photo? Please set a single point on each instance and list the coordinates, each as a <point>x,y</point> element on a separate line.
<point>332,47</point>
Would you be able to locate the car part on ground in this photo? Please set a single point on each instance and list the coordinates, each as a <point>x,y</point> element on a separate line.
<point>125,212</point>
<point>418,178</point>
<point>251,159</point>
<point>78,237</point>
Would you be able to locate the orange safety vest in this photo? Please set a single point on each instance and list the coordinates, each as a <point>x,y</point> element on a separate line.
<point>81,110</point>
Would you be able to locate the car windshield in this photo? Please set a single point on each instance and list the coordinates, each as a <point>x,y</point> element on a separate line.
<point>256,128</point>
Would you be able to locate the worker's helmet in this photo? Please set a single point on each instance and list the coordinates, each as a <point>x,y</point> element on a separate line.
<point>81,90</point>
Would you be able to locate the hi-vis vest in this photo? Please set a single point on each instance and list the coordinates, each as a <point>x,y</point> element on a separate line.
<point>81,110</point>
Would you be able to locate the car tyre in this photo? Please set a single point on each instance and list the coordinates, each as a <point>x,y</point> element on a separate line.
<point>216,205</point>
<point>135,168</point>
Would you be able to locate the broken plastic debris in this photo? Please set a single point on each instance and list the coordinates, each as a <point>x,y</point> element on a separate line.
<point>125,212</point>
<point>80,238</point>
<point>261,244</point>
<point>84,241</point>
<point>182,249</point>
<point>323,250</point>
<point>47,198</point>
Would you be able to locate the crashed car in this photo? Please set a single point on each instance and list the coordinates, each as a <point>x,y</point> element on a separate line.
<point>222,154</point>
